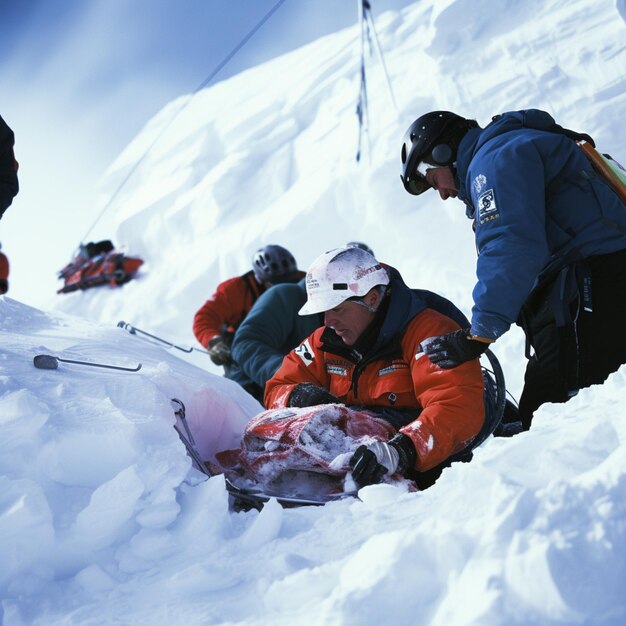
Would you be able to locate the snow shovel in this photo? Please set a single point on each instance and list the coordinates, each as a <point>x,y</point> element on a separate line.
<point>49,362</point>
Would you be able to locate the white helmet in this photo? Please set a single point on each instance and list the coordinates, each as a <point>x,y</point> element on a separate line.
<point>338,275</point>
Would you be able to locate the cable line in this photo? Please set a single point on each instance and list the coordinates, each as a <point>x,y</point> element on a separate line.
<point>203,84</point>
<point>367,28</point>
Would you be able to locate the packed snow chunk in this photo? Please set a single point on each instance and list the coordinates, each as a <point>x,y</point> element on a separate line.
<point>204,512</point>
<point>573,552</point>
<point>158,515</point>
<point>153,545</point>
<point>265,528</point>
<point>393,577</point>
<point>21,421</point>
<point>94,579</point>
<point>24,407</point>
<point>26,528</point>
<point>84,459</point>
<point>528,573</point>
<point>111,507</point>
<point>383,494</point>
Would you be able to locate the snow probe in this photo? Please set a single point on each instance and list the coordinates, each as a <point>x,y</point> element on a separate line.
<point>49,362</point>
<point>133,330</point>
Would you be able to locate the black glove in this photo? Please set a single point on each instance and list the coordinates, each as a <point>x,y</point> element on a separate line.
<point>450,350</point>
<point>219,351</point>
<point>308,394</point>
<point>370,463</point>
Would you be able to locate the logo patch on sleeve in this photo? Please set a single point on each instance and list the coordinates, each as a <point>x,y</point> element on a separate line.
<point>479,182</point>
<point>305,353</point>
<point>487,209</point>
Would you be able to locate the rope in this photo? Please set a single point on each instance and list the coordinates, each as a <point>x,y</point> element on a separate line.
<point>362,110</point>
<point>203,84</point>
<point>366,22</point>
<point>379,53</point>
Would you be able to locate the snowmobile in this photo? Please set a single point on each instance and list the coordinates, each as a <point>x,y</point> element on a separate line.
<point>300,456</point>
<point>98,263</point>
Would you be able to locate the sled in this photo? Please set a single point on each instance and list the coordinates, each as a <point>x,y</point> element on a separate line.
<point>282,454</point>
<point>300,456</point>
<point>96,264</point>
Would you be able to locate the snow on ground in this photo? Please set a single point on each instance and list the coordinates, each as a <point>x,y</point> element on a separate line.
<point>102,518</point>
<point>104,521</point>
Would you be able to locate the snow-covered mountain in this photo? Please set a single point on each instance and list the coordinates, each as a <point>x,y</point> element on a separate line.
<point>102,518</point>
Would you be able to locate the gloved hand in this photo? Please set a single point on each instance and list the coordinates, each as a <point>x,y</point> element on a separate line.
<point>219,351</point>
<point>308,394</point>
<point>370,463</point>
<point>450,350</point>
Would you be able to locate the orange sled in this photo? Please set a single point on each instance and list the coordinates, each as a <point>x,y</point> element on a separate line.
<point>98,264</point>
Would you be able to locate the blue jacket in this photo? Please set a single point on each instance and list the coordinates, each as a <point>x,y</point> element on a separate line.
<point>533,197</point>
<point>271,329</point>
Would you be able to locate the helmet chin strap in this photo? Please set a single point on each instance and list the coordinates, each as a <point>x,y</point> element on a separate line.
<point>382,290</point>
<point>371,309</point>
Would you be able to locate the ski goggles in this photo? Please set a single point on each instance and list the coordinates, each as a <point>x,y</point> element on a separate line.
<point>415,180</point>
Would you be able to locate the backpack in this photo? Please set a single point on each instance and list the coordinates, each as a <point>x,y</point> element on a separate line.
<point>609,170</point>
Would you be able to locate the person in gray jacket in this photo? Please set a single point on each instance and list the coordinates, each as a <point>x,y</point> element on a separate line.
<point>271,330</point>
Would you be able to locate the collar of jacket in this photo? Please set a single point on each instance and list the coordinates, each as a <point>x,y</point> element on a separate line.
<point>384,335</point>
<point>476,138</point>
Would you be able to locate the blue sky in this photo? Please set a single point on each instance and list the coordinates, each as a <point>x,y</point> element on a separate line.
<point>119,61</point>
<point>80,78</point>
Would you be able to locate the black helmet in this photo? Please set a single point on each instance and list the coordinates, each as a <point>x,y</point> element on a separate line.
<point>432,138</point>
<point>273,264</point>
<point>360,244</point>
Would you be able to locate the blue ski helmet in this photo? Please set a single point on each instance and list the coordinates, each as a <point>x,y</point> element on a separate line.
<point>273,264</point>
<point>432,138</point>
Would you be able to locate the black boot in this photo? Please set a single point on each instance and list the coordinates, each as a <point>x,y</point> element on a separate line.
<point>511,423</point>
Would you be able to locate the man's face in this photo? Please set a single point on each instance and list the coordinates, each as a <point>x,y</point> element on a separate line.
<point>348,320</point>
<point>442,179</point>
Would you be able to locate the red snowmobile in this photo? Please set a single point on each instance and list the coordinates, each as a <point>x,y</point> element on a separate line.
<point>96,264</point>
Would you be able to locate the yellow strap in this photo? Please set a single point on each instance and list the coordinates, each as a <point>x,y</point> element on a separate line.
<point>605,169</point>
<point>477,338</point>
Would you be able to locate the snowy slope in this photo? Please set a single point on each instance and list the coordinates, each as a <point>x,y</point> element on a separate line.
<point>102,519</point>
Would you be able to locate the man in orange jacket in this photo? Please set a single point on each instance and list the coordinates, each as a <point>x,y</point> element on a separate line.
<point>219,317</point>
<point>368,354</point>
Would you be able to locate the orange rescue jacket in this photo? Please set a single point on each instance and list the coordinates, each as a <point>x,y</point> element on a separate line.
<point>227,307</point>
<point>451,400</point>
<point>4,266</point>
